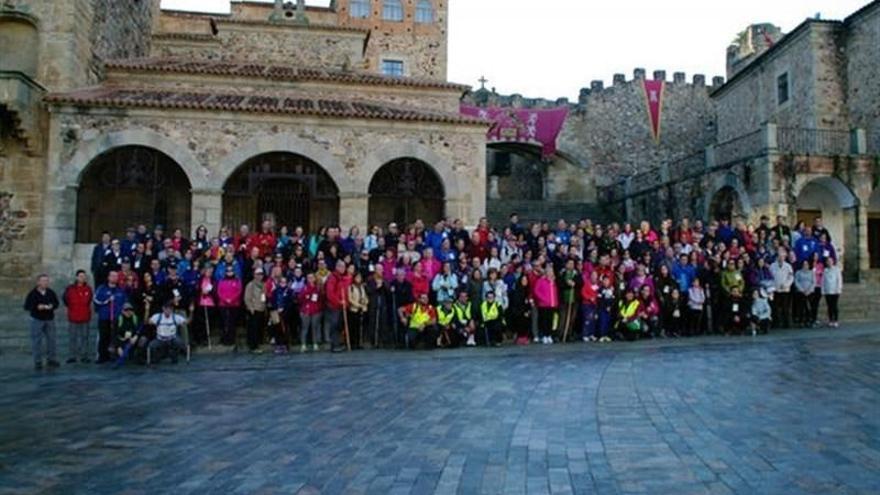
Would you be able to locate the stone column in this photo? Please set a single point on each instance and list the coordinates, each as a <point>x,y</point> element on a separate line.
<point>864,248</point>
<point>771,141</point>
<point>207,210</point>
<point>493,187</point>
<point>353,210</point>
<point>859,141</point>
<point>59,232</point>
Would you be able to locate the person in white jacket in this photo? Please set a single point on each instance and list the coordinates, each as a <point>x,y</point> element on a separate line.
<point>832,287</point>
<point>783,278</point>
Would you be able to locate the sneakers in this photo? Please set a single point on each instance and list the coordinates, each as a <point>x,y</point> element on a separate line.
<point>471,342</point>
<point>53,364</point>
<point>547,340</point>
<point>302,349</point>
<point>605,339</point>
<point>71,360</point>
<point>537,339</point>
<point>315,347</point>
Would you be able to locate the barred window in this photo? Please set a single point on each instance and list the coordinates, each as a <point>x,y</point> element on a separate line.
<point>392,10</point>
<point>360,9</point>
<point>424,12</point>
<point>392,68</point>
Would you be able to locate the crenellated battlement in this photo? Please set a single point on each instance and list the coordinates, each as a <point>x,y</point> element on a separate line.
<point>596,89</point>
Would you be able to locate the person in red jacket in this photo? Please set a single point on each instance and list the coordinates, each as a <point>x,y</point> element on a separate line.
<point>335,295</point>
<point>78,299</point>
<point>265,241</point>
<point>310,303</point>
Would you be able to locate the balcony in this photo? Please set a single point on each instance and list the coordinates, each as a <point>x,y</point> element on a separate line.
<point>21,99</point>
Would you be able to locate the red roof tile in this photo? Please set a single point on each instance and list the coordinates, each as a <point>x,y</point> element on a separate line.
<point>160,98</point>
<point>274,72</point>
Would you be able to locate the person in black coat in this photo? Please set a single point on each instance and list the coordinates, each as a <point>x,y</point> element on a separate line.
<point>41,302</point>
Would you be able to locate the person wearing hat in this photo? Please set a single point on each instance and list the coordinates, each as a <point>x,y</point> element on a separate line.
<point>167,339</point>
<point>128,333</point>
<point>255,302</point>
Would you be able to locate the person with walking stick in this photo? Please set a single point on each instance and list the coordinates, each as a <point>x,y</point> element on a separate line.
<point>358,305</point>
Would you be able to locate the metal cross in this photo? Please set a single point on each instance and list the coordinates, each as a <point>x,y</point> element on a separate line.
<point>482,80</point>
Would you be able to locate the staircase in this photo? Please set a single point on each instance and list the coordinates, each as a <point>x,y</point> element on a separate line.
<point>499,210</point>
<point>859,302</point>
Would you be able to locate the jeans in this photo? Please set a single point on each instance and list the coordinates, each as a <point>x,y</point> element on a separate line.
<point>42,330</point>
<point>172,345</point>
<point>78,339</point>
<point>332,318</point>
<point>309,322</point>
<point>105,330</point>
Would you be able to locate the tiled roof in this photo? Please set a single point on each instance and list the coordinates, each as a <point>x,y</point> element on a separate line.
<point>228,19</point>
<point>290,105</point>
<point>274,72</point>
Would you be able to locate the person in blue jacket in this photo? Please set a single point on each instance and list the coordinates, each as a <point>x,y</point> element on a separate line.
<point>684,273</point>
<point>806,246</point>
<point>109,300</point>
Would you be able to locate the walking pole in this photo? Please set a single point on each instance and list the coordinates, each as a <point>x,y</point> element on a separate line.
<point>345,322</point>
<point>207,326</point>
<point>394,310</point>
<point>376,326</point>
<point>567,322</point>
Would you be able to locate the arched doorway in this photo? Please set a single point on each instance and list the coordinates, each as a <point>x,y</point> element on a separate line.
<point>285,188</point>
<point>131,185</point>
<point>406,190</point>
<point>838,207</point>
<point>515,171</point>
<point>725,204</point>
<point>874,229</point>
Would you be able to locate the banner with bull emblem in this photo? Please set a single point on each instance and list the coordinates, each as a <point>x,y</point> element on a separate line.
<point>523,125</point>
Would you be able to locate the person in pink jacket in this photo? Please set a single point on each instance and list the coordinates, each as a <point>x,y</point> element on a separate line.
<point>204,312</point>
<point>547,300</point>
<point>229,299</point>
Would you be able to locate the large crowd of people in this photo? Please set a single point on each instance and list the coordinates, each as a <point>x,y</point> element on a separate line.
<point>437,286</point>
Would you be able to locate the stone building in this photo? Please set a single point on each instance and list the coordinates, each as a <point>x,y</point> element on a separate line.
<point>116,113</point>
<point>793,131</point>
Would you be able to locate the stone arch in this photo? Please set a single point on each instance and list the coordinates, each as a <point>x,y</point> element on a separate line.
<point>728,184</point>
<point>69,174</point>
<point>405,190</point>
<point>393,151</point>
<point>288,143</point>
<point>835,202</point>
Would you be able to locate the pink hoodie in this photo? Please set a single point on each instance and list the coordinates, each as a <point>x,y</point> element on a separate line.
<point>229,293</point>
<point>546,295</point>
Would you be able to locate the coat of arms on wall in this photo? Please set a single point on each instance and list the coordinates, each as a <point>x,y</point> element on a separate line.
<point>12,222</point>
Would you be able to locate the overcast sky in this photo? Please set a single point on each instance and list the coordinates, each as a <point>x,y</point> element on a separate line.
<point>552,48</point>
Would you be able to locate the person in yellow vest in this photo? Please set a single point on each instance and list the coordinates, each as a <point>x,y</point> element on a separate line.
<point>629,324</point>
<point>446,324</point>
<point>493,321</point>
<point>465,325</point>
<point>420,321</point>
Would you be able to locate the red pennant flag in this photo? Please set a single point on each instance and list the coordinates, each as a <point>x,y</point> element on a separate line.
<point>654,101</point>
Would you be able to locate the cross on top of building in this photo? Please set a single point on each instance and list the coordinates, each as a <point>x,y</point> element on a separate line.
<point>482,80</point>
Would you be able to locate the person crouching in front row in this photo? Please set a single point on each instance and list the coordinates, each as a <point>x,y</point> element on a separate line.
<point>420,320</point>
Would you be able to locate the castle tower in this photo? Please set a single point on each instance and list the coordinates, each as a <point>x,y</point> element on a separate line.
<point>750,44</point>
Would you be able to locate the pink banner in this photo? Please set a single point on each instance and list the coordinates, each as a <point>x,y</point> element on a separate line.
<point>654,100</point>
<point>522,125</point>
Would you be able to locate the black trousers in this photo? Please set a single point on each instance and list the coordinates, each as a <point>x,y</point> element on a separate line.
<point>815,298</point>
<point>256,323</point>
<point>427,336</point>
<point>495,331</point>
<point>801,307</point>
<point>355,329</point>
<point>545,321</point>
<point>230,319</point>
<point>781,310</point>
<point>105,338</point>
<point>831,300</point>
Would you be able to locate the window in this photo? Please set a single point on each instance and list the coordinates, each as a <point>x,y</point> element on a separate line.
<point>392,10</point>
<point>360,9</point>
<point>424,12</point>
<point>392,68</point>
<point>782,89</point>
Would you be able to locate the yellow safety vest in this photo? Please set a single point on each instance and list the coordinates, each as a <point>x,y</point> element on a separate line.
<point>444,318</point>
<point>462,313</point>
<point>490,311</point>
<point>419,318</point>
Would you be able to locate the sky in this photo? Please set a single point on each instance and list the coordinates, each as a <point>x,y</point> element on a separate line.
<point>552,48</point>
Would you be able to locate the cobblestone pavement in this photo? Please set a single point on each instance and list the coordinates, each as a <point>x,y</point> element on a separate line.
<point>790,413</point>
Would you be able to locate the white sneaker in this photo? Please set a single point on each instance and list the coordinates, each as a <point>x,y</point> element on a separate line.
<point>549,340</point>
<point>471,342</point>
<point>585,339</point>
<point>537,339</point>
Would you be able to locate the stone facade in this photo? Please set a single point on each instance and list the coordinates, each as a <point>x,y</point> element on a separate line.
<point>245,85</point>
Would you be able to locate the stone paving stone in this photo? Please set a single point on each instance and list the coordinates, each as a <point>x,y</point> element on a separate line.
<point>790,413</point>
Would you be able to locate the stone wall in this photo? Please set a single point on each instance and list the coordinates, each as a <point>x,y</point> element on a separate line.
<point>863,73</point>
<point>271,43</point>
<point>422,47</point>
<point>22,178</point>
<point>120,29</point>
